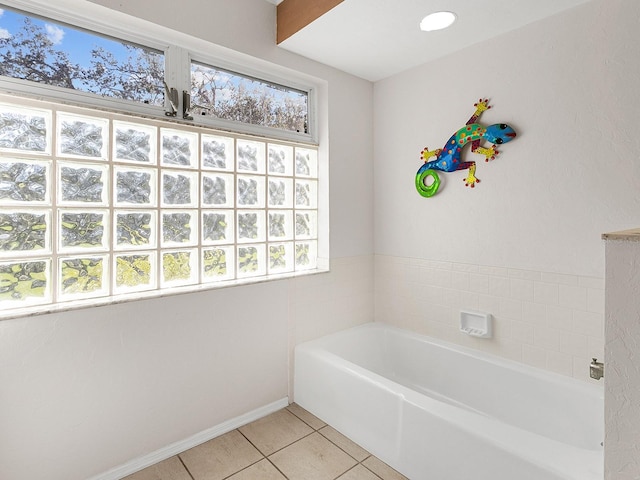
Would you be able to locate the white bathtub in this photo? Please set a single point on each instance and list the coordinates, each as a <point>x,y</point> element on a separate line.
<point>435,411</point>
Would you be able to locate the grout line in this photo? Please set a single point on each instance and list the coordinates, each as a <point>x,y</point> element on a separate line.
<point>276,467</point>
<point>185,467</point>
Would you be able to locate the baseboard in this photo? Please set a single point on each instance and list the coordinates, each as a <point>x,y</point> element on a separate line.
<point>152,458</point>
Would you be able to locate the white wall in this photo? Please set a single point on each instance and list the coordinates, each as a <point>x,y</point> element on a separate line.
<point>86,391</point>
<point>525,243</point>
<point>622,368</point>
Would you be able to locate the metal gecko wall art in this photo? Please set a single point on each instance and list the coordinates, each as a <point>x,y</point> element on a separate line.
<point>449,157</point>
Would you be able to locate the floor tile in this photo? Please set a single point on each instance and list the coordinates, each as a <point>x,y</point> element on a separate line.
<point>263,470</point>
<point>383,470</point>
<point>169,469</point>
<point>312,458</point>
<point>359,473</point>
<point>311,420</point>
<point>353,449</point>
<point>275,431</point>
<point>220,457</point>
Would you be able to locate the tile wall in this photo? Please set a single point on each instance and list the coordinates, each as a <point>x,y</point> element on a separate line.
<point>548,320</point>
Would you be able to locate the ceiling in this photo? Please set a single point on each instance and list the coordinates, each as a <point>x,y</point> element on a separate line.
<point>374,39</point>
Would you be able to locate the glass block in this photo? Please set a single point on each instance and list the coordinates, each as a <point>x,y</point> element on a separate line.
<point>135,229</point>
<point>83,230</point>
<point>79,184</point>
<point>217,189</point>
<point>280,192</point>
<point>82,137</point>
<point>306,194</point>
<point>24,281</point>
<point>251,260</point>
<point>25,232</point>
<point>25,129</point>
<point>251,156</point>
<point>135,187</point>
<point>306,224</point>
<point>179,267</point>
<point>179,148</point>
<point>280,225</point>
<point>306,255</point>
<point>179,227</point>
<point>217,152</point>
<point>306,162</point>
<point>280,257</point>
<point>135,272</point>
<point>250,191</point>
<point>250,226</point>
<point>24,182</point>
<point>83,276</point>
<point>217,227</point>
<point>280,160</point>
<point>134,143</point>
<point>179,188</point>
<point>218,264</point>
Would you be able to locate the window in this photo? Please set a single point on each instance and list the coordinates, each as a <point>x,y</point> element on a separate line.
<point>51,53</point>
<point>64,60</point>
<point>240,98</point>
<point>98,205</point>
<point>131,169</point>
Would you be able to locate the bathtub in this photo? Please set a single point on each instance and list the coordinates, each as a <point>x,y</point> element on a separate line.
<point>437,411</point>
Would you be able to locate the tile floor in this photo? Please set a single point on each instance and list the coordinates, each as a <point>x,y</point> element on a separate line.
<point>288,444</point>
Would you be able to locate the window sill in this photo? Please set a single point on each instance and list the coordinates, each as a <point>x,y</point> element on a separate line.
<point>30,311</point>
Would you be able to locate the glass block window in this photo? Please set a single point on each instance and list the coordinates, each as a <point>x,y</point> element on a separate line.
<point>95,207</point>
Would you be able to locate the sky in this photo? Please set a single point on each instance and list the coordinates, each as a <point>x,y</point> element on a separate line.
<point>77,43</point>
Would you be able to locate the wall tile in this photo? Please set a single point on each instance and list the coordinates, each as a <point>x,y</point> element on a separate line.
<point>465,267</point>
<point>548,320</point>
<point>595,300</point>
<point>559,278</point>
<point>591,282</point>
<point>494,271</point>
<point>560,363</point>
<point>547,338</point>
<point>560,317</point>
<point>548,293</point>
<point>489,304</point>
<point>511,308</point>
<point>478,283</point>
<point>522,332</point>
<point>534,313</point>
<point>521,289</point>
<point>589,323</point>
<point>573,344</point>
<point>524,274</point>
<point>573,297</point>
<point>499,286</point>
<point>460,280</point>
<point>534,356</point>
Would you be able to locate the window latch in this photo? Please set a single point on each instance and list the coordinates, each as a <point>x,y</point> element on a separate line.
<point>172,96</point>
<point>186,106</point>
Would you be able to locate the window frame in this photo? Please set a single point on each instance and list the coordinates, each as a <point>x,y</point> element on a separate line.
<point>179,52</point>
<point>119,26</point>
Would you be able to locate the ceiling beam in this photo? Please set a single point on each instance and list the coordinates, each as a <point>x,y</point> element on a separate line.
<point>294,15</point>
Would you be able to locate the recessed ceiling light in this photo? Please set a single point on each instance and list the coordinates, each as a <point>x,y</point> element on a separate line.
<point>437,21</point>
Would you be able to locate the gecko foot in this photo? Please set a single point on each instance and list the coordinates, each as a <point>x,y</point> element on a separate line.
<point>482,105</point>
<point>471,180</point>
<point>489,153</point>
<point>426,154</point>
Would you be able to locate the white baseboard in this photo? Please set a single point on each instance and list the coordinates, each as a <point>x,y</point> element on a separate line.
<point>152,458</point>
